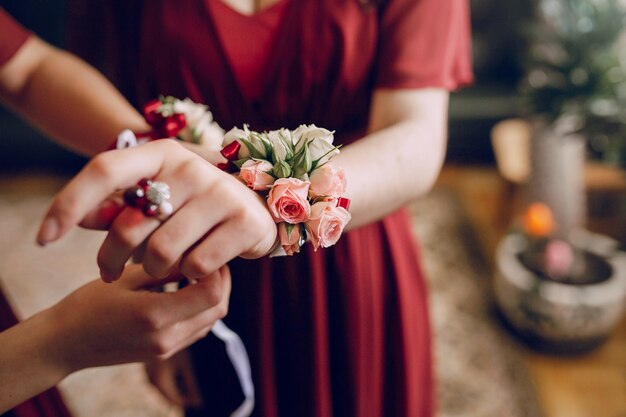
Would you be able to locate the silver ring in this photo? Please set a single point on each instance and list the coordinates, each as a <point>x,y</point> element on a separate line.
<point>151,197</point>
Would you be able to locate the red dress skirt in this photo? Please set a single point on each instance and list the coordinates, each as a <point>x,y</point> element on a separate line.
<point>342,331</point>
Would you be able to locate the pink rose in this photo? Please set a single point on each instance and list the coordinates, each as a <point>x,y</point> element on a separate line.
<point>326,223</point>
<point>287,200</point>
<point>327,181</point>
<point>289,241</point>
<point>255,174</point>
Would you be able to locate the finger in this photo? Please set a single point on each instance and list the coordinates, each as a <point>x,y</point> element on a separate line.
<point>182,231</point>
<point>207,294</point>
<point>128,231</point>
<point>198,326</point>
<point>181,334</point>
<point>102,217</point>
<point>103,175</point>
<point>189,331</point>
<point>131,227</point>
<point>217,249</point>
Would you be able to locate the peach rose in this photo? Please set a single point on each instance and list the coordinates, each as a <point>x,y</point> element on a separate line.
<point>287,200</point>
<point>327,181</point>
<point>255,174</point>
<point>289,240</point>
<point>326,223</point>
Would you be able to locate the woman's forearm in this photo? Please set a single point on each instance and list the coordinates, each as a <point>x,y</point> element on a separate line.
<point>66,98</point>
<point>29,360</point>
<point>402,157</point>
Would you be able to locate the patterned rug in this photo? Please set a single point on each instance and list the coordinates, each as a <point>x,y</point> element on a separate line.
<point>480,370</point>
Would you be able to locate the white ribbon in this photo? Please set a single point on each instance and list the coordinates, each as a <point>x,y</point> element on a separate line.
<point>239,358</point>
<point>127,139</point>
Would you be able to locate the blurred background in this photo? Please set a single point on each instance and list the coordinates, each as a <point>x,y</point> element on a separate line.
<point>544,69</point>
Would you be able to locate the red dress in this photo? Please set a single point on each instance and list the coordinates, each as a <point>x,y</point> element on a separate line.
<point>343,331</point>
<point>49,403</point>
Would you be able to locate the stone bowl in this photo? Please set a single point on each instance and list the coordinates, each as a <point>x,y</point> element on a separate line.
<point>563,317</point>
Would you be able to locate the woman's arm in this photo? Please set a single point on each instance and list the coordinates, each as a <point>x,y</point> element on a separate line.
<point>397,162</point>
<point>402,155</point>
<point>105,324</point>
<point>66,98</point>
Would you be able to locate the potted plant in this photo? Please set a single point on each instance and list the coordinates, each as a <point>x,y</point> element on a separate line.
<point>574,92</point>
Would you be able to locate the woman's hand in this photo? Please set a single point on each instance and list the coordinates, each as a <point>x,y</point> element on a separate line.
<point>127,321</point>
<point>216,217</point>
<point>212,156</point>
<point>105,324</point>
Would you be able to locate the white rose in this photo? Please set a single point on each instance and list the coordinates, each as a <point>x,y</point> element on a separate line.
<point>193,112</point>
<point>306,133</point>
<point>236,133</point>
<point>260,143</point>
<point>281,143</point>
<point>321,151</point>
<point>244,135</point>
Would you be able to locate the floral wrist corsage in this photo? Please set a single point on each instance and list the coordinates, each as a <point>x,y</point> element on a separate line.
<point>304,191</point>
<point>170,117</point>
<point>290,167</point>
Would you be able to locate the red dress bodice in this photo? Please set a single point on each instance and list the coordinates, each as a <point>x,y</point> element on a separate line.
<point>322,73</point>
<point>343,331</point>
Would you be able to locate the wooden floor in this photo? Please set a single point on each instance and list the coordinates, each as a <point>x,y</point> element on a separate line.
<point>589,385</point>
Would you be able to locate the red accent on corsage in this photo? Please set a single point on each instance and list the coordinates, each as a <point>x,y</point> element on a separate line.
<point>162,126</point>
<point>150,112</point>
<point>344,203</point>
<point>231,153</point>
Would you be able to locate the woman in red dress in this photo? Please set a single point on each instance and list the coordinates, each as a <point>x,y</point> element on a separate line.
<point>342,331</point>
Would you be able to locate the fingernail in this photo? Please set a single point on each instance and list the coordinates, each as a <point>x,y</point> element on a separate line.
<point>107,276</point>
<point>48,231</point>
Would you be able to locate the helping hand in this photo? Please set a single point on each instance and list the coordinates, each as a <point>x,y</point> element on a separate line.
<point>101,324</point>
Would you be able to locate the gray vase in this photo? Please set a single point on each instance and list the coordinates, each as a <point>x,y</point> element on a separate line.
<point>557,176</point>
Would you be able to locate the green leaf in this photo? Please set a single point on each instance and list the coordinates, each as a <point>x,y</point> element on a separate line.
<point>282,170</point>
<point>302,164</point>
<point>289,227</point>
<point>254,152</point>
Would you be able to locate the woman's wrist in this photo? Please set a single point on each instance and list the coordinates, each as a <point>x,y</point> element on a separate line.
<point>53,342</point>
